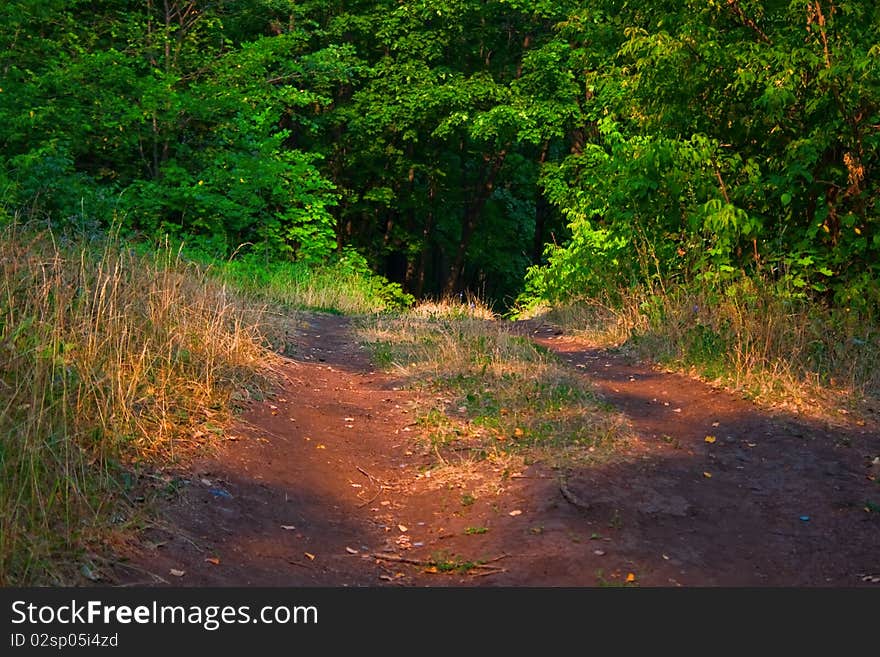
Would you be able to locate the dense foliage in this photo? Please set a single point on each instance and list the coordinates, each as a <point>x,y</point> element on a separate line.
<point>727,138</point>
<point>449,140</point>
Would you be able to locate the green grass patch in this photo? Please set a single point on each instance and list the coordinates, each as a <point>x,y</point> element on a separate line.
<point>487,390</point>
<point>344,286</point>
<point>446,563</point>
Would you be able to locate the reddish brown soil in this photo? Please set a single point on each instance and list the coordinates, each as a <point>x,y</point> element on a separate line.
<point>328,473</point>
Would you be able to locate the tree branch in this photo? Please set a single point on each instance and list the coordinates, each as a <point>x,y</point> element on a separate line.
<point>748,22</point>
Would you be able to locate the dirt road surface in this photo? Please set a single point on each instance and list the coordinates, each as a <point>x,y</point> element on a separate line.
<point>325,483</point>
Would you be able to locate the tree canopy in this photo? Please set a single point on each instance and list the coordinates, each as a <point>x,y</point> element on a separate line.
<point>581,146</point>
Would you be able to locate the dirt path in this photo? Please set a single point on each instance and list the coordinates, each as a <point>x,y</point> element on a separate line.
<point>327,475</point>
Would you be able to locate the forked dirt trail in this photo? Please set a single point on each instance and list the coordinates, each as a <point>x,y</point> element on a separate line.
<point>326,484</point>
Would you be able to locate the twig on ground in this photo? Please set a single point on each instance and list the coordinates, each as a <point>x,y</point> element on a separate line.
<point>372,499</point>
<point>128,566</point>
<point>498,558</point>
<point>368,475</point>
<point>571,497</point>
<point>176,531</point>
<point>428,563</point>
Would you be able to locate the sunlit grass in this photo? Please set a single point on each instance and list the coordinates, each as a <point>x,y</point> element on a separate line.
<point>107,359</point>
<point>337,287</point>
<point>464,307</point>
<point>487,391</point>
<point>777,349</point>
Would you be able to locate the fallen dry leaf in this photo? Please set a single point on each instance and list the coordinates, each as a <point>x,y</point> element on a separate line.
<point>213,560</point>
<point>515,512</point>
<point>709,439</point>
<point>631,577</point>
<point>431,569</point>
<point>289,528</point>
<point>177,573</point>
<point>402,528</point>
<point>518,432</point>
<point>707,475</point>
<point>320,447</point>
<point>310,556</point>
<point>351,550</point>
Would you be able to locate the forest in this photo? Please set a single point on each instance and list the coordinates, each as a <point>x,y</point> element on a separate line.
<point>183,183</point>
<point>462,146</point>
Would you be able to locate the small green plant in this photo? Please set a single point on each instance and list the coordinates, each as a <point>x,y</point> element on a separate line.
<point>470,531</point>
<point>467,499</point>
<point>603,582</point>
<point>446,563</point>
<point>615,581</point>
<point>616,521</point>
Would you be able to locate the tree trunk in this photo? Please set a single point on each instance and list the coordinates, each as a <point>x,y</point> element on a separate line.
<point>542,211</point>
<point>427,232</point>
<point>473,212</point>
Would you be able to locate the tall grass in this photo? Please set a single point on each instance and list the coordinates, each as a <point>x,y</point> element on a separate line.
<point>463,307</point>
<point>772,345</point>
<point>344,286</point>
<point>106,358</point>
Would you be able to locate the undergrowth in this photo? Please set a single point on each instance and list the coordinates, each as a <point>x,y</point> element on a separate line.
<point>774,347</point>
<point>345,285</point>
<point>108,359</point>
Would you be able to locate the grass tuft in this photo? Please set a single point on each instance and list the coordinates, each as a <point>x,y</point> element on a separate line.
<point>488,392</point>
<point>108,359</point>
<point>345,287</point>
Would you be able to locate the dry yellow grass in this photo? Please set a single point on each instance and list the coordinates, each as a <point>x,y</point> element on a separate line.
<point>470,307</point>
<point>779,350</point>
<point>487,392</point>
<point>106,358</point>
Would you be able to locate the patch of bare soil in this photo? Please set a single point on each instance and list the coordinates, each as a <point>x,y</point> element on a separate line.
<point>326,485</point>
